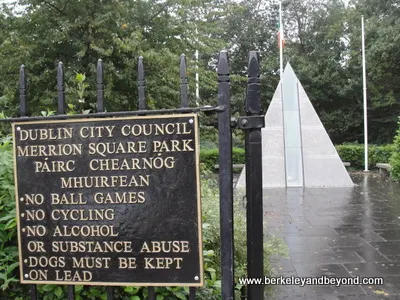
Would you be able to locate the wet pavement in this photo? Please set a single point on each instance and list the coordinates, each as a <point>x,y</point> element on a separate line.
<point>338,232</point>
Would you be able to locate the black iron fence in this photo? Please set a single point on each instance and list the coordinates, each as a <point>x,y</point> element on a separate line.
<point>252,124</point>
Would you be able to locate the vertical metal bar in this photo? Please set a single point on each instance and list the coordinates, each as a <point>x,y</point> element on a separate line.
<point>254,182</point>
<point>61,89</point>
<point>71,292</point>
<point>110,293</point>
<point>23,105</point>
<point>192,293</point>
<point>141,84</point>
<point>243,293</point>
<point>225,178</point>
<point>33,292</point>
<point>61,111</point>
<point>184,82</point>
<point>152,293</point>
<point>185,103</point>
<point>100,86</point>
<point>100,108</point>
<point>23,110</point>
<point>142,106</point>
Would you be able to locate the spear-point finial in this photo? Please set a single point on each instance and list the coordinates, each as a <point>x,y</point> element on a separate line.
<point>61,88</point>
<point>140,69</point>
<point>254,64</point>
<point>184,82</point>
<point>253,97</point>
<point>22,92</point>
<point>100,86</point>
<point>223,63</point>
<point>183,66</point>
<point>141,84</point>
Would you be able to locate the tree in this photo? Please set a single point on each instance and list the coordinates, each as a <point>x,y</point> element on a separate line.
<point>79,32</point>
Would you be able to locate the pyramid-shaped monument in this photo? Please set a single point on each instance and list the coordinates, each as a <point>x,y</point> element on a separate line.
<point>296,149</point>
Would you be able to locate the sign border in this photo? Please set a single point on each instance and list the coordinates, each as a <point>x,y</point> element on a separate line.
<point>96,283</point>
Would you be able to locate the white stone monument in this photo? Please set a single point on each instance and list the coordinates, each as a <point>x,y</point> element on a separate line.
<point>296,149</point>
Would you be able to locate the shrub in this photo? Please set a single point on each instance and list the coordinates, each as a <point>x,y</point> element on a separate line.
<point>210,158</point>
<point>9,287</point>
<point>354,153</point>
<point>211,235</point>
<point>9,283</point>
<point>395,158</point>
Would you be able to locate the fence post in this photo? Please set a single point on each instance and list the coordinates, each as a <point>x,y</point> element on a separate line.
<point>100,86</point>
<point>23,105</point>
<point>61,111</point>
<point>142,105</point>
<point>185,103</point>
<point>61,89</point>
<point>100,108</point>
<point>141,84</point>
<point>184,82</point>
<point>254,213</point>
<point>225,177</point>
<point>23,111</point>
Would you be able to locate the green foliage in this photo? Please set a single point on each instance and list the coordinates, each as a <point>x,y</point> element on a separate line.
<point>11,289</point>
<point>323,41</point>
<point>210,158</point>
<point>354,153</point>
<point>80,92</point>
<point>395,158</point>
<point>79,32</point>
<point>211,238</point>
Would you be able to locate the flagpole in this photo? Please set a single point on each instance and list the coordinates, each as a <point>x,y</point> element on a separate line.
<point>197,69</point>
<point>280,40</point>
<point>364,98</point>
<point>197,78</point>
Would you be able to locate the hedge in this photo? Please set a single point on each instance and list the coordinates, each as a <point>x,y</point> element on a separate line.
<point>395,159</point>
<point>210,157</point>
<point>353,153</point>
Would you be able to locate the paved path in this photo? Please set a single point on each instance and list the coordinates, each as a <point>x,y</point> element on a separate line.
<point>340,232</point>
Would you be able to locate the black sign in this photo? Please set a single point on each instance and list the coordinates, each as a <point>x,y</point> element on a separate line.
<point>109,201</point>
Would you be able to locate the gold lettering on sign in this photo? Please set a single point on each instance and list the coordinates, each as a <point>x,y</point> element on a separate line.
<point>104,149</point>
<point>66,275</point>
<point>91,246</point>
<point>38,274</point>
<point>45,134</point>
<point>44,261</point>
<point>162,262</point>
<point>165,247</point>
<point>34,199</point>
<point>119,198</point>
<point>144,163</point>
<point>70,198</point>
<point>85,230</point>
<point>127,263</point>
<point>35,215</point>
<point>96,131</point>
<point>91,262</point>
<point>90,179</point>
<point>173,146</point>
<point>155,129</point>
<point>36,246</point>
<point>83,214</point>
<point>50,150</point>
<point>105,181</point>
<point>54,166</point>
